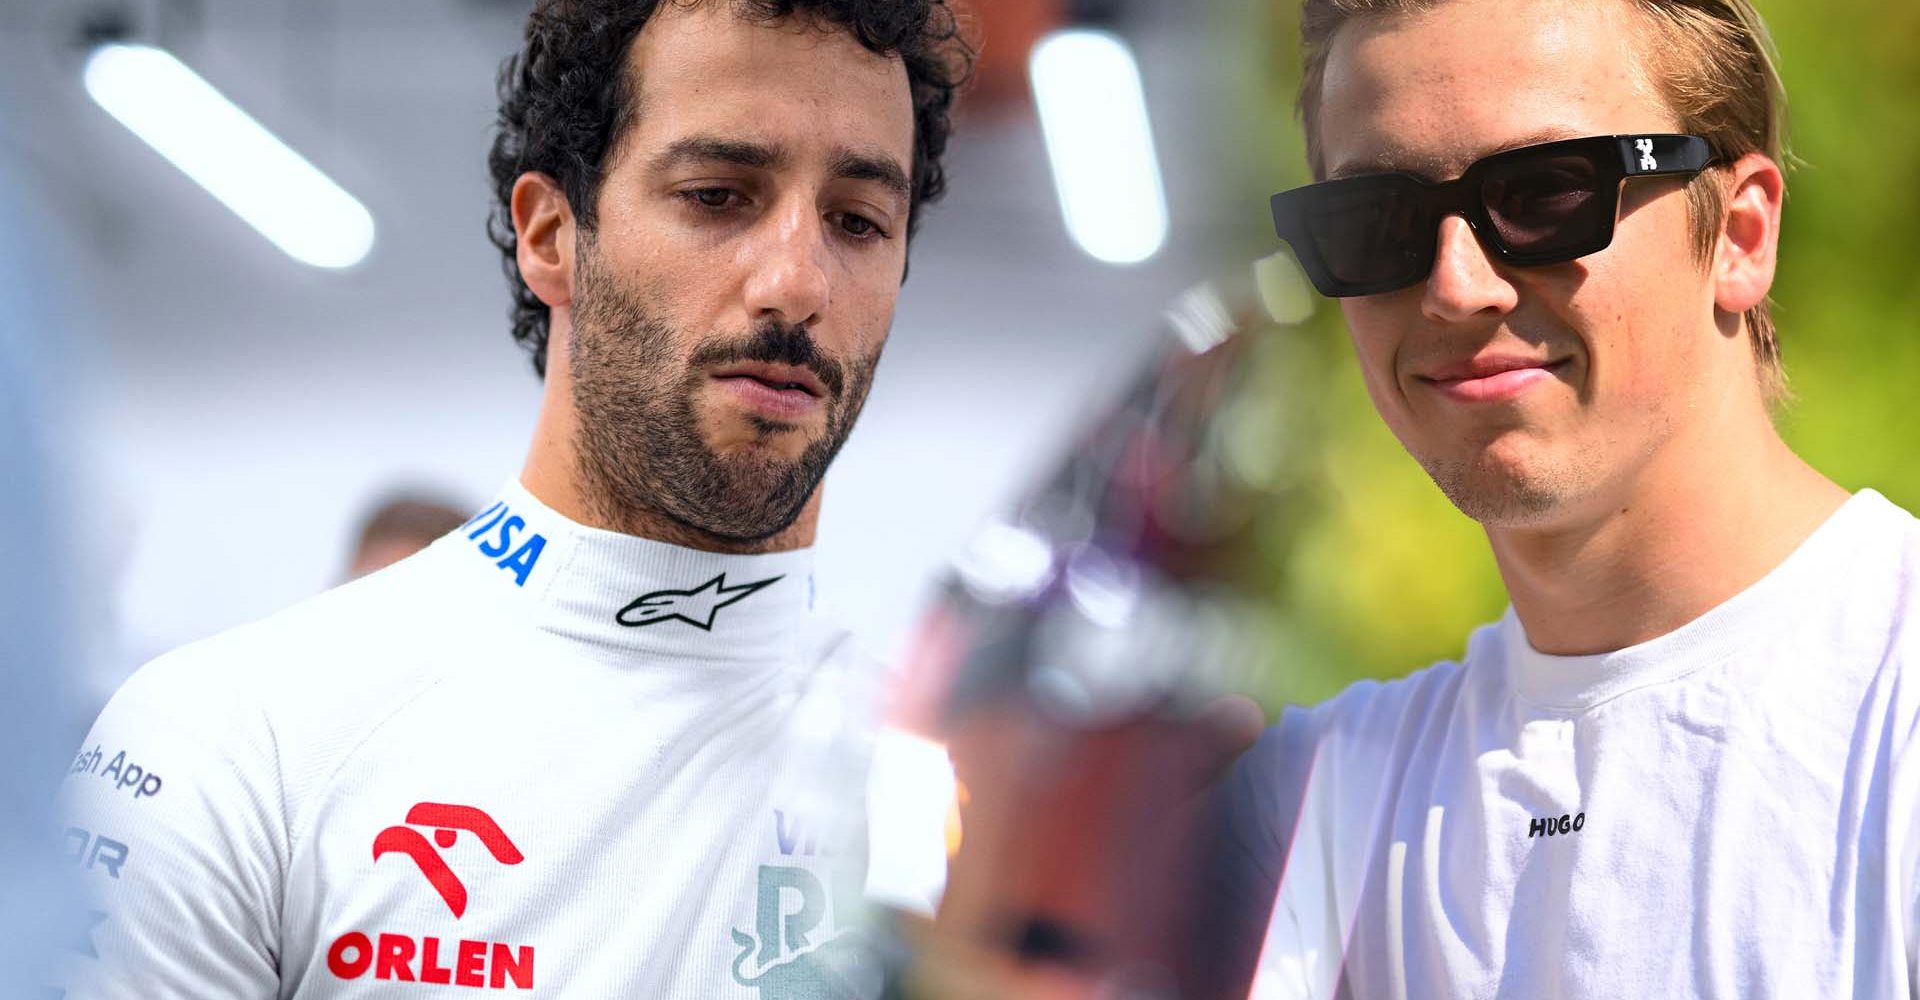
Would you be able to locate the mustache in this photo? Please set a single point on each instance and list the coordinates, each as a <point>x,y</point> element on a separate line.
<point>777,344</point>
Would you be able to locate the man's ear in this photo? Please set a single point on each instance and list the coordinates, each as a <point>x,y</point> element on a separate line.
<point>1743,259</point>
<point>543,224</point>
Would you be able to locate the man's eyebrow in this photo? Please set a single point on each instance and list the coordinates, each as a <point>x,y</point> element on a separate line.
<point>848,164</point>
<point>712,149</point>
<point>882,169</point>
<point>1431,168</point>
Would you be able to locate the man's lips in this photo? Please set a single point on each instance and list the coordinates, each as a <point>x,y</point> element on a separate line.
<point>781,378</point>
<point>1490,379</point>
<point>778,392</point>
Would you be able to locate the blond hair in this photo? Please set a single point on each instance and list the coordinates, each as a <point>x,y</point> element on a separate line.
<point>1711,61</point>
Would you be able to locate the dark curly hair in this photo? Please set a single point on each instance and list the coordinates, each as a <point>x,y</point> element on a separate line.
<point>566,99</point>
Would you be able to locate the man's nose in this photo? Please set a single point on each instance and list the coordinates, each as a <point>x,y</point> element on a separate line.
<point>788,279</point>
<point>1464,282</point>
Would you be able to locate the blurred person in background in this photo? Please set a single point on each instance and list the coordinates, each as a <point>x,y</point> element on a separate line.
<point>1680,764</point>
<point>399,526</point>
<point>590,744</point>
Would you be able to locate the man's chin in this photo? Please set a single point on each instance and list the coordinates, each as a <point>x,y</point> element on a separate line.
<point>732,432</point>
<point>768,458</point>
<point>750,493</point>
<point>736,521</point>
<point>1500,492</point>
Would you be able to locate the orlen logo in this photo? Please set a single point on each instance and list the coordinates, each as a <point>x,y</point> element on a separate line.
<point>407,959</point>
<point>449,821</point>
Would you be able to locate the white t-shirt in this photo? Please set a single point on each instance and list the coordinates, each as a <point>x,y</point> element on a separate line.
<point>1726,811</point>
<point>535,757</point>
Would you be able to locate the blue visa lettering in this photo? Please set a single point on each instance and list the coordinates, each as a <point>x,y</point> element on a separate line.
<point>505,526</point>
<point>504,539</point>
<point>498,510</point>
<point>523,558</point>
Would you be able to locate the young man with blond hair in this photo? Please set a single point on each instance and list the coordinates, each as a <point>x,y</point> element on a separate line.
<point>1678,766</point>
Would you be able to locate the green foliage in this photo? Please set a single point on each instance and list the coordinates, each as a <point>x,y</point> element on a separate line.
<point>1847,295</point>
<point>1385,576</point>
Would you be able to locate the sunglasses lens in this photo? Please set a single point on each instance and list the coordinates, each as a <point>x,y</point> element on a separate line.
<point>1370,235</point>
<point>1535,205</point>
<point>1548,206</point>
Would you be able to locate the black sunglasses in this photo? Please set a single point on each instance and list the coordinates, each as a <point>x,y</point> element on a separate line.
<point>1543,204</point>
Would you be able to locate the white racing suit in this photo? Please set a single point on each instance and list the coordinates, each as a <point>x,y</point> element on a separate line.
<point>535,758</point>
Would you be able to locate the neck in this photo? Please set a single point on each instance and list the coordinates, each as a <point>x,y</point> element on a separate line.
<point>1678,538</point>
<point>628,596</point>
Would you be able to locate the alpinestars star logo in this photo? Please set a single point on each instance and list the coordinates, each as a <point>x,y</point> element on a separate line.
<point>696,607</point>
<point>447,821</point>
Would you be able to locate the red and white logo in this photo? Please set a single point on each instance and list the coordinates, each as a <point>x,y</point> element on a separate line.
<point>427,959</point>
<point>447,822</point>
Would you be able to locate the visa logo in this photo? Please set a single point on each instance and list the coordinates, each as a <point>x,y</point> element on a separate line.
<point>497,533</point>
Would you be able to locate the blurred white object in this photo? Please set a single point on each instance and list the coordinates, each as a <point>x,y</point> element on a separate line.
<point>171,108</point>
<point>1093,111</point>
<point>911,791</point>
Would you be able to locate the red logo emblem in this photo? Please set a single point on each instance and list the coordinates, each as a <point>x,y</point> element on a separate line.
<point>446,821</point>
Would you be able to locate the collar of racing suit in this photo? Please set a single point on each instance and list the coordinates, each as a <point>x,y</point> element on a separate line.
<point>627,594</point>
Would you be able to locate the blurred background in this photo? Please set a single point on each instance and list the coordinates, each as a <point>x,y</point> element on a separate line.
<point>237,408</point>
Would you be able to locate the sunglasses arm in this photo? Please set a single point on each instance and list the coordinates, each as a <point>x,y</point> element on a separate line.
<point>1655,155</point>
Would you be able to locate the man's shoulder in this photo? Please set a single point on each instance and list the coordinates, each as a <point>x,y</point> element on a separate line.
<point>1367,727</point>
<point>1876,577</point>
<point>1335,755</point>
<point>1892,533</point>
<point>343,651</point>
<point>1875,522</point>
<point>207,769</point>
<point>1373,710</point>
<point>1902,528</point>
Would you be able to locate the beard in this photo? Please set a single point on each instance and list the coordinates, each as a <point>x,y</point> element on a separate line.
<point>1532,490</point>
<point>1497,500</point>
<point>641,453</point>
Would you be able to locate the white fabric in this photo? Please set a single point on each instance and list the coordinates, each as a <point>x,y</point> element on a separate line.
<point>681,794</point>
<point>1732,806</point>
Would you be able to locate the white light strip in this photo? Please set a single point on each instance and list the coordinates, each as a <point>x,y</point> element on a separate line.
<point>1094,114</point>
<point>234,157</point>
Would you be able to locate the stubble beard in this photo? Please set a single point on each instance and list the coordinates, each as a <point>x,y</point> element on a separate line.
<point>643,463</point>
<point>1554,479</point>
<point>1500,496</point>
<point>1492,501</point>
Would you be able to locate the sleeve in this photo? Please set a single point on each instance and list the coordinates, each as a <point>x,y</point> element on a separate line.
<point>173,816</point>
<point>1297,809</point>
<point>1257,808</point>
<point>1903,835</point>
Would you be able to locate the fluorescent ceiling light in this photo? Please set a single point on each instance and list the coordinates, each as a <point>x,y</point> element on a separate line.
<point>1093,112</point>
<point>234,157</point>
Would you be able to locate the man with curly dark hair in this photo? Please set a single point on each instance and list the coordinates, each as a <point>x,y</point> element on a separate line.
<point>595,741</point>
<point>688,262</point>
